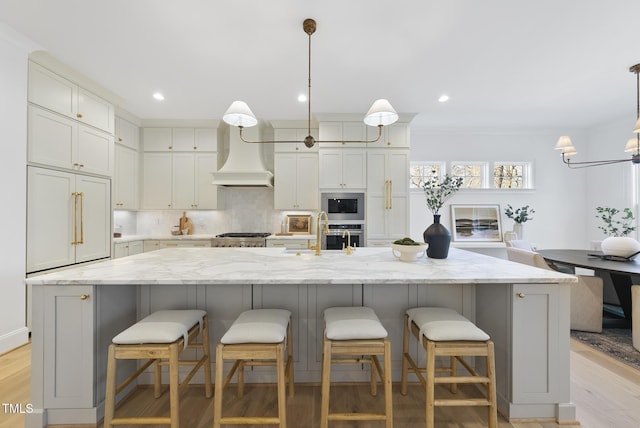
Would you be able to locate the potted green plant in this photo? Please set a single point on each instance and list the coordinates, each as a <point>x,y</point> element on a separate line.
<point>437,192</point>
<point>519,216</point>
<point>618,243</point>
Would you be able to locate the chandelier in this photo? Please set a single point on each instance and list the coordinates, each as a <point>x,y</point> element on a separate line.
<point>633,144</point>
<point>380,114</point>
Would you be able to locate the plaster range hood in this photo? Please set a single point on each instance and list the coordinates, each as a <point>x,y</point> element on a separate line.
<point>244,166</point>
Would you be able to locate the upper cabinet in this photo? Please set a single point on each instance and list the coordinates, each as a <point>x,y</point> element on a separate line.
<point>127,133</point>
<point>396,135</point>
<point>343,168</point>
<point>341,132</point>
<point>180,139</point>
<point>296,136</point>
<point>64,97</point>
<point>57,141</point>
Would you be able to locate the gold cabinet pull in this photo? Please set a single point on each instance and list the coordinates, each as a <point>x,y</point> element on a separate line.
<point>79,116</point>
<point>81,194</point>
<point>84,297</point>
<point>119,139</point>
<point>520,295</point>
<point>75,218</point>
<point>390,194</point>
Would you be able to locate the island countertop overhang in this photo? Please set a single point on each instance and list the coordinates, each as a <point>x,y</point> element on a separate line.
<point>275,266</point>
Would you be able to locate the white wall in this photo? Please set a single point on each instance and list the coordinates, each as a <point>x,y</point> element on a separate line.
<point>13,128</point>
<point>558,197</point>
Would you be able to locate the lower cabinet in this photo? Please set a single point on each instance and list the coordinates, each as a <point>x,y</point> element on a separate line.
<point>124,249</point>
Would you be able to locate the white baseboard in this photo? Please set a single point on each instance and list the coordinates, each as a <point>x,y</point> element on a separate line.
<point>13,339</point>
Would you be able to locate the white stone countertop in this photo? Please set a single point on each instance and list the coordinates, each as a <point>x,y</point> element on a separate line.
<point>366,265</point>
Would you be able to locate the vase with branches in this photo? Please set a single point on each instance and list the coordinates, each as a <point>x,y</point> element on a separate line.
<point>618,242</point>
<point>437,192</point>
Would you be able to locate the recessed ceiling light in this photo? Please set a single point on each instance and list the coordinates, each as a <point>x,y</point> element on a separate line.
<point>443,98</point>
<point>302,98</point>
<point>158,96</point>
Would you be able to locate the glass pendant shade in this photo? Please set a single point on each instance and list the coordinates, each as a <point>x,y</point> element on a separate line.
<point>381,113</point>
<point>239,114</point>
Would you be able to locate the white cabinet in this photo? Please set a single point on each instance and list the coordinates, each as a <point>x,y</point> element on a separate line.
<point>157,244</point>
<point>339,133</point>
<point>180,139</point>
<point>396,135</point>
<point>295,181</point>
<point>58,94</point>
<point>297,136</point>
<point>127,133</point>
<point>342,168</point>
<point>387,194</point>
<point>68,218</point>
<point>292,242</point>
<point>58,141</point>
<point>180,181</point>
<point>124,249</point>
<point>125,181</point>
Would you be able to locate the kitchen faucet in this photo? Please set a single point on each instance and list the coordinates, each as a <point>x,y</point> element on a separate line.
<point>348,249</point>
<point>318,245</point>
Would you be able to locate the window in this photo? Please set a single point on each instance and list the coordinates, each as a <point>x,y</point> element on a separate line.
<point>421,172</point>
<point>473,174</point>
<point>510,175</point>
<point>476,175</point>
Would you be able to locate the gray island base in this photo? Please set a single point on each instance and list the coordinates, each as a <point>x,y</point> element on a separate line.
<point>76,312</point>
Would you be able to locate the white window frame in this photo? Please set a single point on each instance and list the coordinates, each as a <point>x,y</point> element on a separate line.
<point>487,173</point>
<point>441,164</point>
<point>484,172</point>
<point>527,174</point>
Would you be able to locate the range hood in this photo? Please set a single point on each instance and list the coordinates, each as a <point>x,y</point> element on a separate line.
<point>244,166</point>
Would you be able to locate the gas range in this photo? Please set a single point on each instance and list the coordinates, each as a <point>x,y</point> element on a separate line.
<point>240,239</point>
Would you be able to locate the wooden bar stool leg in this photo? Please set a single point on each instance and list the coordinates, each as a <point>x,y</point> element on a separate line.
<point>241,379</point>
<point>282,386</point>
<point>386,377</point>
<point>157,379</point>
<point>326,383</point>
<point>491,388</point>
<point>174,386</point>
<point>207,352</point>
<point>109,404</point>
<point>290,357</point>
<point>454,372</point>
<point>372,374</point>
<point>430,388</point>
<point>405,352</point>
<point>218,385</point>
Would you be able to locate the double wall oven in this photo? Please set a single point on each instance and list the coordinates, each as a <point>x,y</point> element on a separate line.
<point>346,220</point>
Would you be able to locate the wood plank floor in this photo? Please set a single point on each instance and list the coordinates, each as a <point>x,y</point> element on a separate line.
<point>605,391</point>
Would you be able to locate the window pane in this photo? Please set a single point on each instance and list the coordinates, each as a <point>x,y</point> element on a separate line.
<point>471,174</point>
<point>421,172</point>
<point>508,176</point>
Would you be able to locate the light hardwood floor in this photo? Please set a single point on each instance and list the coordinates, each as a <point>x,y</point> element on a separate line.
<point>606,393</point>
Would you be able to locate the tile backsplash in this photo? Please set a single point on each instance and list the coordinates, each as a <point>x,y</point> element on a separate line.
<point>247,209</point>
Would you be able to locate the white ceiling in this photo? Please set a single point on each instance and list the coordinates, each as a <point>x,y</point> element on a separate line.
<point>504,63</point>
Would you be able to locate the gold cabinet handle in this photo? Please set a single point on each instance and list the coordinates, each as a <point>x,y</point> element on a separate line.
<point>120,139</point>
<point>79,116</point>
<point>84,297</point>
<point>520,295</point>
<point>81,194</point>
<point>390,194</point>
<point>75,218</point>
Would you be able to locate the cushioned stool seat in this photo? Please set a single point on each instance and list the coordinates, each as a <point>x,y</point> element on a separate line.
<point>350,333</point>
<point>256,338</point>
<point>159,338</point>
<point>444,332</point>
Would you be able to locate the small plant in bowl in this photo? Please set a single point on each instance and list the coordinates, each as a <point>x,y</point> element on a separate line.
<point>618,243</point>
<point>407,249</point>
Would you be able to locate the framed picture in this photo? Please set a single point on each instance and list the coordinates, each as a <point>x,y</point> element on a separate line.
<point>299,224</point>
<point>476,223</point>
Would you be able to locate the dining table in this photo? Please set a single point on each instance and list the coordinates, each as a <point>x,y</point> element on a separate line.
<point>623,273</point>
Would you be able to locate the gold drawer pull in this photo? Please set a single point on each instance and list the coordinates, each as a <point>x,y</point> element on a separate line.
<point>84,297</point>
<point>520,295</point>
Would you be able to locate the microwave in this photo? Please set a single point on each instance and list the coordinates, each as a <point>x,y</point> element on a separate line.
<point>343,206</point>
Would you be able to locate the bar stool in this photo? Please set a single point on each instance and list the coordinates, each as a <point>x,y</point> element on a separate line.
<point>256,338</point>
<point>159,338</point>
<point>444,332</point>
<point>352,332</point>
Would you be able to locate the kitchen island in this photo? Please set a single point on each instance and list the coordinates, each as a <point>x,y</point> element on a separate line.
<point>78,311</point>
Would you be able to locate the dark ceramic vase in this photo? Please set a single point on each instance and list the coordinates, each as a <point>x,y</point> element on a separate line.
<point>438,238</point>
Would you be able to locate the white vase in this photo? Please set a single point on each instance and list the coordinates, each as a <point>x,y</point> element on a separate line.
<point>621,246</point>
<point>518,229</point>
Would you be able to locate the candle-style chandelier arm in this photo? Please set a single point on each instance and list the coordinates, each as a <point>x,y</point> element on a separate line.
<point>309,139</point>
<point>633,145</point>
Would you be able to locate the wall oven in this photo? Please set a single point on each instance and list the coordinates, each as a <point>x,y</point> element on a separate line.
<point>343,206</point>
<point>333,240</point>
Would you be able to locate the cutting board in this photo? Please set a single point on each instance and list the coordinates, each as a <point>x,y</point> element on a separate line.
<point>185,223</point>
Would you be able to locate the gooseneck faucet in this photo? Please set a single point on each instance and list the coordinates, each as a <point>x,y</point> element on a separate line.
<point>318,245</point>
<point>348,249</point>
